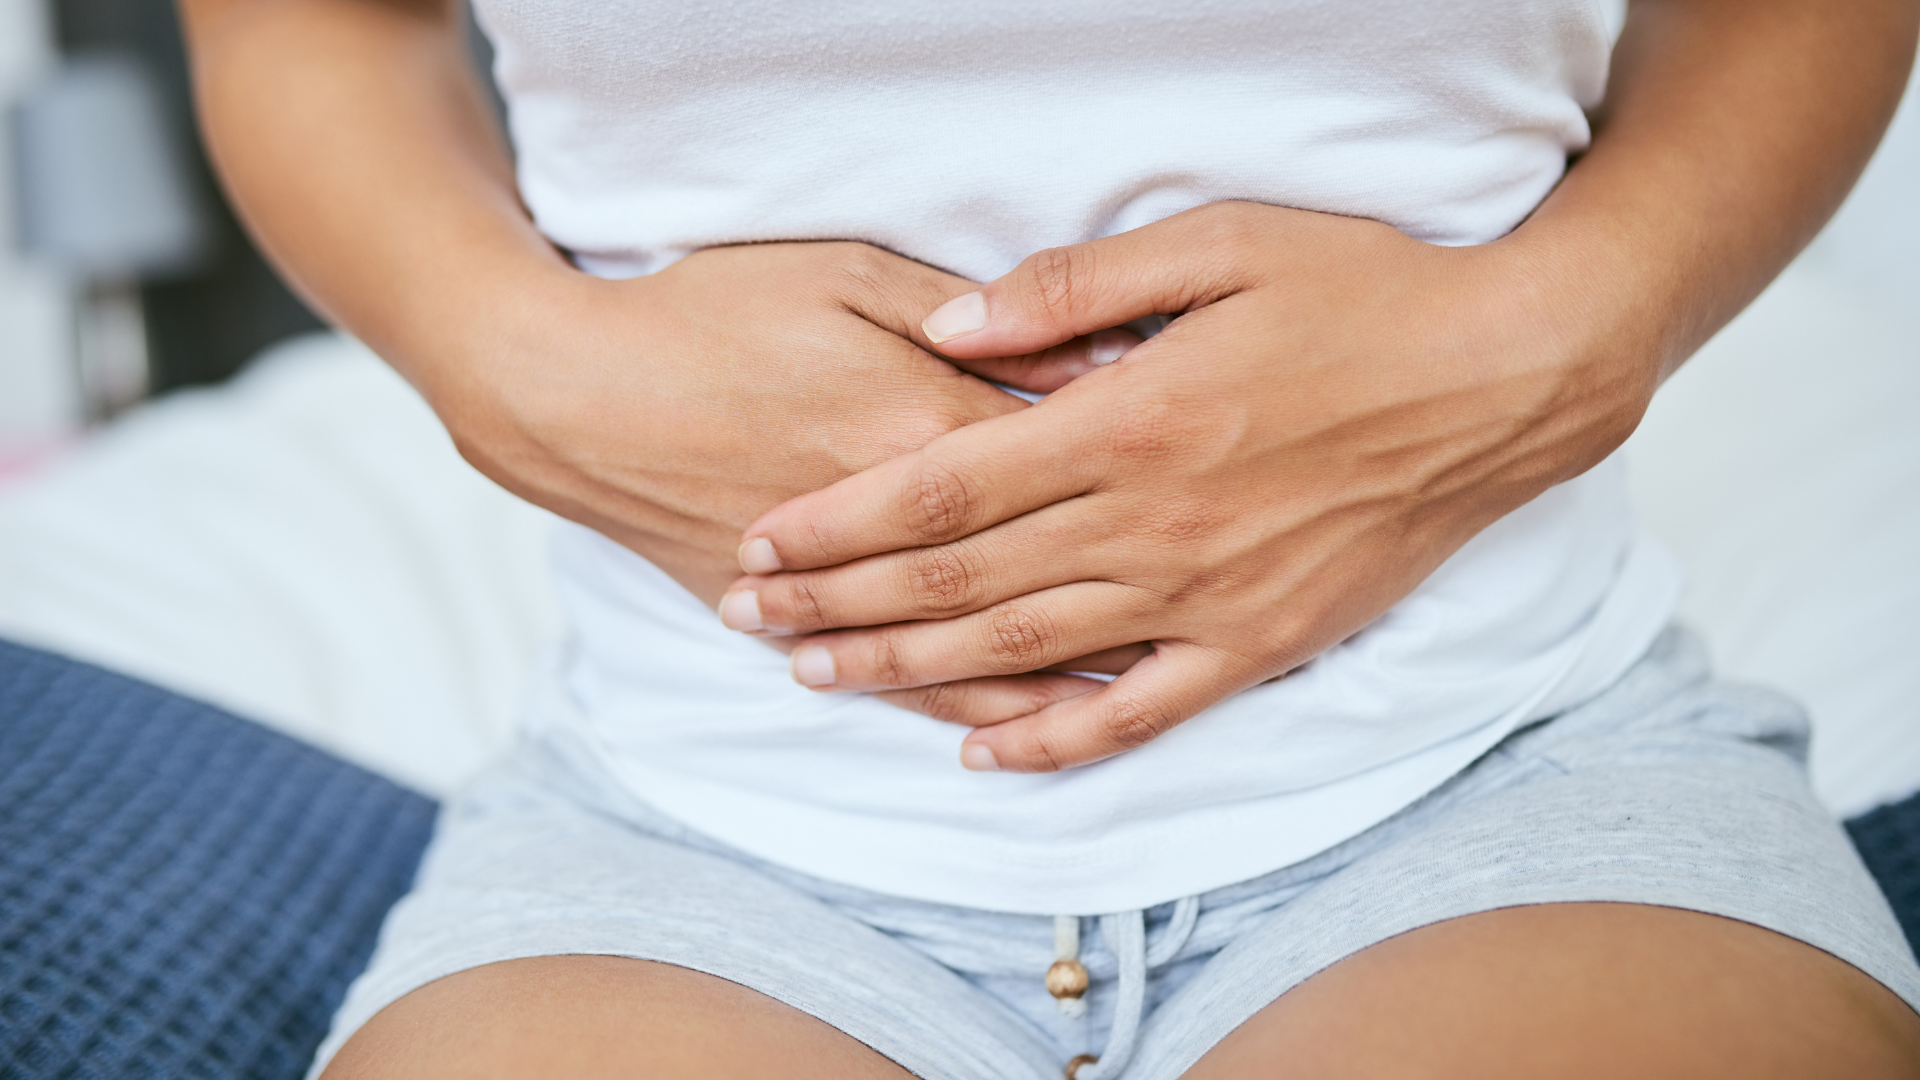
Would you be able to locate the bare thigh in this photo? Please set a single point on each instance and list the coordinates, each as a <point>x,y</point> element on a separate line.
<point>1580,990</point>
<point>598,1016</point>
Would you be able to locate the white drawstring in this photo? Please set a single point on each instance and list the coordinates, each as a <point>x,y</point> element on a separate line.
<point>1174,938</point>
<point>1126,934</point>
<point>1066,946</point>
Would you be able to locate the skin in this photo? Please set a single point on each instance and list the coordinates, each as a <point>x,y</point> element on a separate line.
<point>597,1016</point>
<point>669,412</point>
<point>1337,408</point>
<point>1567,991</point>
<point>666,412</point>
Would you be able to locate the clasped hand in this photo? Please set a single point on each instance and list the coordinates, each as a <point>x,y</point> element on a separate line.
<point>1333,411</point>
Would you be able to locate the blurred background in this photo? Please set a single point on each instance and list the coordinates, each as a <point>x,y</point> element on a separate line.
<point>123,273</point>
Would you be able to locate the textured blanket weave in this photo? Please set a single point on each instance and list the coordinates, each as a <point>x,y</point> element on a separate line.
<point>1889,841</point>
<point>182,893</point>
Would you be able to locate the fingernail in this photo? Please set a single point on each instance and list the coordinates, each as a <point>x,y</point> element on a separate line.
<point>961,315</point>
<point>978,758</point>
<point>813,666</point>
<point>757,556</point>
<point>741,611</point>
<point>1109,345</point>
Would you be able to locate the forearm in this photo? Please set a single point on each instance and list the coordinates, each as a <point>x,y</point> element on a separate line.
<point>355,143</point>
<point>1731,131</point>
<point>358,148</point>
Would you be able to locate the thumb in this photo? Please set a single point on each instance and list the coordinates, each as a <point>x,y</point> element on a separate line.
<point>1169,267</point>
<point>1050,369</point>
<point>894,293</point>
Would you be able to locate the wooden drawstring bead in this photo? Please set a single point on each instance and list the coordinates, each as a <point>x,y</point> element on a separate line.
<point>1067,979</point>
<point>1080,1061</point>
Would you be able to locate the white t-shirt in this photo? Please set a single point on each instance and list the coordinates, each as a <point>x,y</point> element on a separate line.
<point>969,136</point>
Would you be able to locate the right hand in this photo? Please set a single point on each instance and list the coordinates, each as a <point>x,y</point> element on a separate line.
<point>669,411</point>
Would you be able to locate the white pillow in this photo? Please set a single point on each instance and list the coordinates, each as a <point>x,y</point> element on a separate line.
<point>303,547</point>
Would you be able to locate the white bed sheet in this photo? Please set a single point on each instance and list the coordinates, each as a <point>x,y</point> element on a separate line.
<point>303,547</point>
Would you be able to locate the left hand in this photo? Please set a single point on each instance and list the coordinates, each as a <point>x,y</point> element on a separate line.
<point>1336,409</point>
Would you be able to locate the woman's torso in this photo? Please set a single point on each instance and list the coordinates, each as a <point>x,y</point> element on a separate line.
<point>969,136</point>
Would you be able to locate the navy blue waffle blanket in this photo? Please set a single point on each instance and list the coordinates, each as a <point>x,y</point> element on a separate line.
<point>186,894</point>
<point>1889,841</point>
<point>182,893</point>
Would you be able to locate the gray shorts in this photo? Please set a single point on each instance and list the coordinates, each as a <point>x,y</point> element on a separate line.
<point>1670,789</point>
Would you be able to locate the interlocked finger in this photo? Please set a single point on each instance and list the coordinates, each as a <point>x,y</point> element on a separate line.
<point>1032,552</point>
<point>993,700</point>
<point>960,483</point>
<point>1156,694</point>
<point>1036,631</point>
<point>1050,369</point>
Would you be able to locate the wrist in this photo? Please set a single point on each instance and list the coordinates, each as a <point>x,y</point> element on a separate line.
<point>1602,298</point>
<point>1591,324</point>
<point>481,337</point>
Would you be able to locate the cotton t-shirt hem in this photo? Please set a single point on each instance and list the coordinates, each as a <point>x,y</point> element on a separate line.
<point>1146,863</point>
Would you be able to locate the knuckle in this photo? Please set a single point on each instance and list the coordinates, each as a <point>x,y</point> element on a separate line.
<point>862,268</point>
<point>1135,723</point>
<point>940,504</point>
<point>1228,221</point>
<point>804,608</point>
<point>1230,232</point>
<point>1018,639</point>
<point>1148,429</point>
<point>860,278</point>
<point>1060,277</point>
<point>889,661</point>
<point>1043,753</point>
<point>1037,697</point>
<point>941,582</point>
<point>942,701</point>
<point>1176,525</point>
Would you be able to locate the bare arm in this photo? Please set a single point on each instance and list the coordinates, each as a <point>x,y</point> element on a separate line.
<point>357,146</point>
